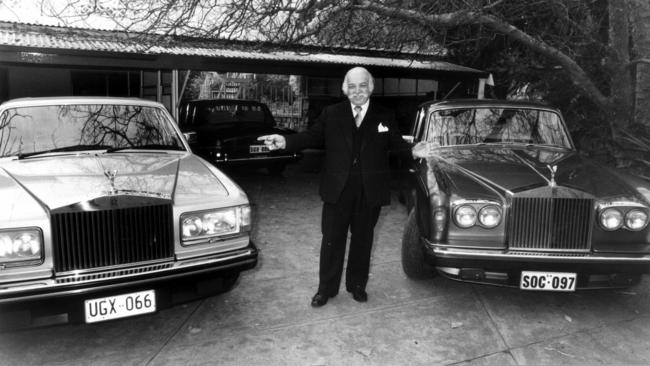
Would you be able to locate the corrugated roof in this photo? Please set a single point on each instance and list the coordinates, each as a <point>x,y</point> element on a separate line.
<point>92,40</point>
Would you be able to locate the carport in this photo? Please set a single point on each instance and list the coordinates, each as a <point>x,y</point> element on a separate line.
<point>41,60</point>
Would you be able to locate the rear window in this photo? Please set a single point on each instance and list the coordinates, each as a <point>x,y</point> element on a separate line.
<point>230,113</point>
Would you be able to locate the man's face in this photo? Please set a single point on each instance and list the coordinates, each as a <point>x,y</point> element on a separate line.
<point>358,87</point>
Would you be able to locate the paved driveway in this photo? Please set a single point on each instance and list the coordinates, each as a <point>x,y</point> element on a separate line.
<point>267,320</point>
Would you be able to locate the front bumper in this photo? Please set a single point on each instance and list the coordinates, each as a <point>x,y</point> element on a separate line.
<point>500,267</point>
<point>62,300</point>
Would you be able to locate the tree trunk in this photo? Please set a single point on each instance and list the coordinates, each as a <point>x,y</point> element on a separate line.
<point>617,62</point>
<point>577,74</point>
<point>640,26</point>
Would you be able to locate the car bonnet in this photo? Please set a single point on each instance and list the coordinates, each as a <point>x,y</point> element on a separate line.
<point>57,181</point>
<point>518,170</point>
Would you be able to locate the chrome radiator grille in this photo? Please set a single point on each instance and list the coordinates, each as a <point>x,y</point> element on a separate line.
<point>112,237</point>
<point>548,224</point>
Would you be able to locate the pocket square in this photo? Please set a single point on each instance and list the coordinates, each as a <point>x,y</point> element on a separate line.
<point>382,128</point>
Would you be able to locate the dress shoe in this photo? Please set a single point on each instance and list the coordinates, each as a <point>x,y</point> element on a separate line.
<point>318,300</point>
<point>359,295</point>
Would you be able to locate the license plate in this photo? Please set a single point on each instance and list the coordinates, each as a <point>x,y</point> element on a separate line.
<point>547,281</point>
<point>259,149</point>
<point>120,306</point>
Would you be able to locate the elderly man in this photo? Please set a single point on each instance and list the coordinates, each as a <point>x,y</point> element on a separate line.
<point>357,135</point>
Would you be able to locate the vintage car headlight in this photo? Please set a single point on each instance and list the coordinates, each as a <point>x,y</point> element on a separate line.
<point>20,245</point>
<point>465,216</point>
<point>215,223</point>
<point>489,216</point>
<point>611,219</point>
<point>636,219</point>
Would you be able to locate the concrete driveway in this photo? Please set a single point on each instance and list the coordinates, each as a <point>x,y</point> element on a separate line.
<point>267,320</point>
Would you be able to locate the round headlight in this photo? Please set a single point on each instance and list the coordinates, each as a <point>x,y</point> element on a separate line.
<point>465,216</point>
<point>636,219</point>
<point>611,219</point>
<point>192,226</point>
<point>489,216</point>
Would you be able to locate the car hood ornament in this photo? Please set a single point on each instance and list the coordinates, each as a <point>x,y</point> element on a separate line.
<point>110,175</point>
<point>553,169</point>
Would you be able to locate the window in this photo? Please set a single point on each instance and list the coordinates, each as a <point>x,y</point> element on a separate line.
<point>106,83</point>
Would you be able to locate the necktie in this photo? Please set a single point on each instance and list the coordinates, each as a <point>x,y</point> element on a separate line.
<point>357,115</point>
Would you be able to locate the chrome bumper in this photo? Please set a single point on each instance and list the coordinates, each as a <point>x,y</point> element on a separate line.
<point>441,251</point>
<point>76,284</point>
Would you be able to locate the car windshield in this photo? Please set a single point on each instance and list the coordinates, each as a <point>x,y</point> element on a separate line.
<point>230,113</point>
<point>41,129</point>
<point>466,126</point>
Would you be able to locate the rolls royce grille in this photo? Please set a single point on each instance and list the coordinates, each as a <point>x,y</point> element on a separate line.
<point>112,237</point>
<point>550,224</point>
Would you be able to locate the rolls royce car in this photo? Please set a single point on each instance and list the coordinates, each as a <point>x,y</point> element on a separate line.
<point>105,213</point>
<point>505,199</point>
<point>225,132</point>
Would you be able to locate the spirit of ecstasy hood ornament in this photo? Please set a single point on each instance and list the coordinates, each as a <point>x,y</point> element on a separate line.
<point>110,175</point>
<point>553,169</point>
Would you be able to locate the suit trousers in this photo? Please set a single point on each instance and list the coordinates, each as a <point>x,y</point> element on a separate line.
<point>351,212</point>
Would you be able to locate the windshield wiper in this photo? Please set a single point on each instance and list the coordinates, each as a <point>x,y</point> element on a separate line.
<point>70,148</point>
<point>550,146</point>
<point>144,147</point>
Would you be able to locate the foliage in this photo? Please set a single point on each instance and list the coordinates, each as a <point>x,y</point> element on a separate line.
<point>557,50</point>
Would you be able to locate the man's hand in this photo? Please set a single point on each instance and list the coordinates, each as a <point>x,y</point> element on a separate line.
<point>274,142</point>
<point>423,149</point>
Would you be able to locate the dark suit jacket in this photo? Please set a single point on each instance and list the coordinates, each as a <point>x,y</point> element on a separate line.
<point>333,130</point>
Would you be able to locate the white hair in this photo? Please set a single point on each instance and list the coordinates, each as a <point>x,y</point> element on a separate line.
<point>371,80</point>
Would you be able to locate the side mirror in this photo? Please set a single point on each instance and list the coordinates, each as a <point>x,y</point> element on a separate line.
<point>408,138</point>
<point>190,137</point>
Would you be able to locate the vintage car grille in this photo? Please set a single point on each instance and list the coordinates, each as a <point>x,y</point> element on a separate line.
<point>550,224</point>
<point>112,237</point>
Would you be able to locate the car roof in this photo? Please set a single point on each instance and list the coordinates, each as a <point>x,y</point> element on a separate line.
<point>478,103</point>
<point>42,101</point>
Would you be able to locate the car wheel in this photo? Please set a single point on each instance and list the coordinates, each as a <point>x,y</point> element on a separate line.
<point>413,262</point>
<point>276,169</point>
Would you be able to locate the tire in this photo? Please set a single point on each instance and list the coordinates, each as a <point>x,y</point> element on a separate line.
<point>413,261</point>
<point>410,201</point>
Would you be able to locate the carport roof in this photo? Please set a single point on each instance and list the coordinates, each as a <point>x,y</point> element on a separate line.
<point>22,37</point>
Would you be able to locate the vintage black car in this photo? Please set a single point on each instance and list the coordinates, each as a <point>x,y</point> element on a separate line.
<point>105,213</point>
<point>225,132</point>
<point>506,199</point>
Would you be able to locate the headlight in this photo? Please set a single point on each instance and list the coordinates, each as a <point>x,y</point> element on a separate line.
<point>611,219</point>
<point>636,219</point>
<point>489,216</point>
<point>20,245</point>
<point>465,216</point>
<point>214,223</point>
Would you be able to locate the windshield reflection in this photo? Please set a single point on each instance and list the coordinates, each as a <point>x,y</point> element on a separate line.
<point>34,129</point>
<point>465,126</point>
